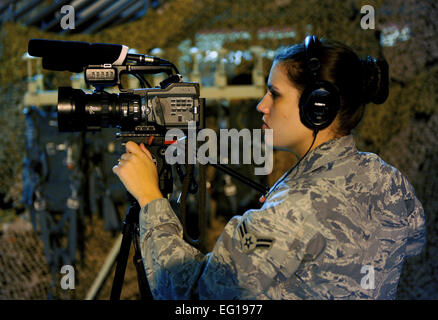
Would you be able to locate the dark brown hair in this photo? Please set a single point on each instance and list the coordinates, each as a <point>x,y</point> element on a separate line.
<point>359,81</point>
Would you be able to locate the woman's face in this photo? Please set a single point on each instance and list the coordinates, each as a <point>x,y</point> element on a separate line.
<point>281,113</point>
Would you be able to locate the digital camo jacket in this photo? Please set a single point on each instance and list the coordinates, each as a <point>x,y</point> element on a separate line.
<point>340,226</point>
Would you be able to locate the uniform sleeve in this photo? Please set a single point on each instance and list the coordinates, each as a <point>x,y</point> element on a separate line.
<point>416,226</point>
<point>172,265</point>
<point>253,252</point>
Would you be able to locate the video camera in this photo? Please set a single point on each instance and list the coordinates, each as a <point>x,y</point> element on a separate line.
<point>142,114</point>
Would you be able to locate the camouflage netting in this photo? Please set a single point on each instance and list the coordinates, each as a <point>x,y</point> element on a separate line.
<point>403,131</point>
<point>25,275</point>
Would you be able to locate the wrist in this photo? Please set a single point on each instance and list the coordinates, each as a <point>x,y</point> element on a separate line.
<point>144,200</point>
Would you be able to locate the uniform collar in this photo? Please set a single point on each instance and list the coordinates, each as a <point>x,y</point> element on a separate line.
<point>325,153</point>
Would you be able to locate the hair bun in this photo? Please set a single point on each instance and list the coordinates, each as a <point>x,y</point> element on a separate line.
<point>375,86</point>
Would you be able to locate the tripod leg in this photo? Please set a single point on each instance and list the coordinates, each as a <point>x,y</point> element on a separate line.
<point>122,260</point>
<point>143,284</point>
<point>130,235</point>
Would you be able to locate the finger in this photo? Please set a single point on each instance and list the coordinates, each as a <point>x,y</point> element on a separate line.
<point>121,162</point>
<point>126,156</point>
<point>132,147</point>
<point>145,150</point>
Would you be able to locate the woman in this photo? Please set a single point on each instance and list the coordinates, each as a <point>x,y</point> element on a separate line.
<point>337,225</point>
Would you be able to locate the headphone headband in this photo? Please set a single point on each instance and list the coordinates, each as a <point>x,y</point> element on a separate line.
<point>312,63</point>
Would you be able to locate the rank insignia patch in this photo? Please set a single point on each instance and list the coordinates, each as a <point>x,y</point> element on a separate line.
<point>250,241</point>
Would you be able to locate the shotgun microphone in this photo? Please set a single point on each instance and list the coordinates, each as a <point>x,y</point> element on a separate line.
<point>73,56</point>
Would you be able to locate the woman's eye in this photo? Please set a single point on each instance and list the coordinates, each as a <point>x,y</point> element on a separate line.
<point>274,94</point>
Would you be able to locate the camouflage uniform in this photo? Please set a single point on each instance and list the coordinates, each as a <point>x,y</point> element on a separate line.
<point>338,211</point>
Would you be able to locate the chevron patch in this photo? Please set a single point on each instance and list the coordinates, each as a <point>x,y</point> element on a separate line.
<point>250,241</point>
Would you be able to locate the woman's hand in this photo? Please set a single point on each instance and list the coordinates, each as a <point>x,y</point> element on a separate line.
<point>138,173</point>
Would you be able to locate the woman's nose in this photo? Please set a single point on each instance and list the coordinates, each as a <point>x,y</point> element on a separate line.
<point>262,107</point>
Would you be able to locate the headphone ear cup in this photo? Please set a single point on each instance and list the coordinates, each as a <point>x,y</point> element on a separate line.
<point>319,104</point>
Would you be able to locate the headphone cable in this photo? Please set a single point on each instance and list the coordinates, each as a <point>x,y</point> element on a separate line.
<point>265,196</point>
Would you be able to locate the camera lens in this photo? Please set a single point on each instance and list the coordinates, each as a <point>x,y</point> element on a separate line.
<point>78,111</point>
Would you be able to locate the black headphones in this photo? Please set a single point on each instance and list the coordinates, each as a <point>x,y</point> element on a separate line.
<point>319,102</point>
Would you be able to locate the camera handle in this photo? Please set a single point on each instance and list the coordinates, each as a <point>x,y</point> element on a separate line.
<point>200,242</point>
<point>255,185</point>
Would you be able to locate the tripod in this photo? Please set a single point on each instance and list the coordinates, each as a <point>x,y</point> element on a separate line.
<point>130,234</point>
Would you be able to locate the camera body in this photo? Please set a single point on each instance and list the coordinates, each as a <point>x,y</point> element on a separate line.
<point>142,115</point>
<point>148,111</point>
<point>145,111</point>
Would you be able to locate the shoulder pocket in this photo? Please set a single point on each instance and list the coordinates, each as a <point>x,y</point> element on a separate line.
<point>314,247</point>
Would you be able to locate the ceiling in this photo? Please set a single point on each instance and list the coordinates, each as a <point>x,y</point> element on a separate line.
<point>85,16</point>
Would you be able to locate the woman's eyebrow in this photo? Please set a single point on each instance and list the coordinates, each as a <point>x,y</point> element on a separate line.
<point>271,87</point>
